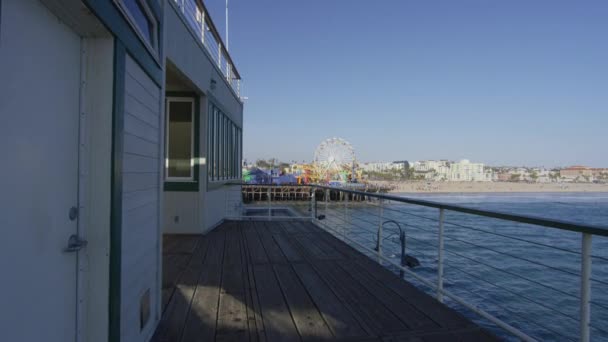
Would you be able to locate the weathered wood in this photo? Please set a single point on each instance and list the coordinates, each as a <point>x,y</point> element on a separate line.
<point>278,324</point>
<point>272,249</point>
<point>232,312</point>
<point>341,321</point>
<point>407,313</point>
<point>254,245</point>
<point>280,281</point>
<point>288,247</point>
<point>359,299</point>
<point>254,319</point>
<point>202,319</point>
<point>172,323</point>
<point>307,318</point>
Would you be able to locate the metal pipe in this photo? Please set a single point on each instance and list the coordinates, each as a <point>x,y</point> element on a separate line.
<point>269,204</point>
<point>585,287</point>
<point>440,258</point>
<point>380,224</point>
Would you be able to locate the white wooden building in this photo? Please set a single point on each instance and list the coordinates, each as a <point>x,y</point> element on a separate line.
<point>121,120</point>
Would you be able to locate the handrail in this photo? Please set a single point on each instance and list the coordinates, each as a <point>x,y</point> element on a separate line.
<point>217,36</point>
<point>530,219</point>
<point>341,219</point>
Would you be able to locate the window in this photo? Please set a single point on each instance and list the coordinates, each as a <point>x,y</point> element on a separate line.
<point>224,146</point>
<point>180,149</point>
<point>141,18</point>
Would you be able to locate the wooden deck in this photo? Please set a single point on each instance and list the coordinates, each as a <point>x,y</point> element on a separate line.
<point>292,281</point>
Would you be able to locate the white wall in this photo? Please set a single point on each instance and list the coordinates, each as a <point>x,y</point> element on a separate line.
<point>141,196</point>
<point>198,211</point>
<point>98,111</point>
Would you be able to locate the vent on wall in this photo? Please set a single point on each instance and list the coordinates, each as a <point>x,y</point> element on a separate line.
<point>144,309</point>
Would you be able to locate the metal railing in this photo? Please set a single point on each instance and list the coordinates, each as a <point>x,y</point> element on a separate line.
<point>524,274</point>
<point>202,27</point>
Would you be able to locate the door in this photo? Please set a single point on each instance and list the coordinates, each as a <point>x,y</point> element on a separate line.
<point>39,105</point>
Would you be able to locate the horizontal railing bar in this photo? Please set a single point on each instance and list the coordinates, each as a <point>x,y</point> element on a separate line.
<point>534,220</point>
<point>217,36</point>
<point>517,294</point>
<point>524,319</point>
<point>490,233</point>
<point>449,250</point>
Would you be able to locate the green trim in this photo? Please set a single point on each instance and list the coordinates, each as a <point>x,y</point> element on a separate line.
<point>115,22</point>
<point>194,185</point>
<point>120,55</point>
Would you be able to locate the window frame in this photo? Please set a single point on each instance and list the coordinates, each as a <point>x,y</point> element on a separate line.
<point>152,46</point>
<point>190,183</point>
<point>225,146</point>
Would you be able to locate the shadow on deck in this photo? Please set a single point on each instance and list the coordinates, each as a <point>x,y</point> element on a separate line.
<point>291,281</point>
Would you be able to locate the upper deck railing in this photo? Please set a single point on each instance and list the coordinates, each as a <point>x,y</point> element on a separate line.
<point>513,270</point>
<point>202,25</point>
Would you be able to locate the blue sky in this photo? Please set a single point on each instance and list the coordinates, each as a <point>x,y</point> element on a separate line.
<point>501,82</point>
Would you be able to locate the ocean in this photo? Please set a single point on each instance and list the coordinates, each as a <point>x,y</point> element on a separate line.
<point>528,276</point>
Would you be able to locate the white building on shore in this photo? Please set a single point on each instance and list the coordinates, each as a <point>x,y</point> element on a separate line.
<point>443,170</point>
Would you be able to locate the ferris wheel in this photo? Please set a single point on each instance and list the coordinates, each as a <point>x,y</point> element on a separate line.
<point>334,156</point>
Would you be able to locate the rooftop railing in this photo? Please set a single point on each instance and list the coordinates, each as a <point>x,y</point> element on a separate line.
<point>530,276</point>
<point>199,21</point>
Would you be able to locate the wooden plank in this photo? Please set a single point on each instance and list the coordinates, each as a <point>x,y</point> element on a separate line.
<point>312,250</point>
<point>341,321</point>
<point>278,324</point>
<point>202,319</point>
<point>172,323</point>
<point>288,247</point>
<point>215,254</point>
<point>359,299</point>
<point>232,312</point>
<point>272,249</point>
<point>289,227</point>
<point>201,322</point>
<point>254,319</point>
<point>306,317</point>
<point>180,243</point>
<point>407,313</point>
<point>255,248</point>
<point>441,314</point>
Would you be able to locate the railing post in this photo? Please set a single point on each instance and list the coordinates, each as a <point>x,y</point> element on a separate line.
<point>379,237</point>
<point>345,214</point>
<point>440,258</point>
<point>313,199</point>
<point>219,55</point>
<point>269,204</point>
<point>326,202</point>
<point>585,286</point>
<point>203,27</point>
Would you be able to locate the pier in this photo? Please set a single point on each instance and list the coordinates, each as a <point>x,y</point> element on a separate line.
<point>264,192</point>
<point>292,281</point>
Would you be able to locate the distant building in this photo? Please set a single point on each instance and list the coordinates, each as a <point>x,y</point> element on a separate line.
<point>464,170</point>
<point>383,166</point>
<point>579,173</point>
<point>444,170</point>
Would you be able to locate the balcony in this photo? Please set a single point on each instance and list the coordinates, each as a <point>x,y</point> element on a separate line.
<point>199,22</point>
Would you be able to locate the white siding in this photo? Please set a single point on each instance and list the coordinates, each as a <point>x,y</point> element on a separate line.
<point>140,203</point>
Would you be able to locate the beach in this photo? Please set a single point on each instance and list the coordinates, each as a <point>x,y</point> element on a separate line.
<point>472,187</point>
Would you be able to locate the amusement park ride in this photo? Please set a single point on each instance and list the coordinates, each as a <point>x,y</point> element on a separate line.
<point>335,162</point>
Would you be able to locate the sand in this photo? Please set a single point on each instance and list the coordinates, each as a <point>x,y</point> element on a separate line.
<point>457,187</point>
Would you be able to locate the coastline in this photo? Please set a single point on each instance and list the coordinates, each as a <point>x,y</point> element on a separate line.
<point>482,187</point>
